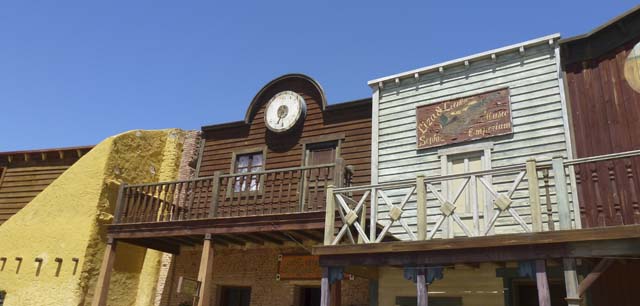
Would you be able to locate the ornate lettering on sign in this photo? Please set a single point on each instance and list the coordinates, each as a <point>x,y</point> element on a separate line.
<point>464,119</point>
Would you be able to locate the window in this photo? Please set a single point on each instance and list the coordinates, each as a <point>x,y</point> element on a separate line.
<point>247,163</point>
<point>309,296</point>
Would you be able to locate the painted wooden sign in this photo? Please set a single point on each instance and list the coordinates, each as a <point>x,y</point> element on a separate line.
<point>464,119</point>
<point>299,267</point>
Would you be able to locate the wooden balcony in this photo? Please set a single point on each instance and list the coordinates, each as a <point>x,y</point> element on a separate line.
<point>265,206</point>
<point>516,203</point>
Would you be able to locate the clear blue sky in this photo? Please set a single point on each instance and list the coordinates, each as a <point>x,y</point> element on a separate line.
<point>75,72</point>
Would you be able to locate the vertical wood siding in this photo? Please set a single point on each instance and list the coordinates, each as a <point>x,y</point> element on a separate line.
<point>537,113</point>
<point>604,115</point>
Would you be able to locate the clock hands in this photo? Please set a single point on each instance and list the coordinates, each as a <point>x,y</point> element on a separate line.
<point>283,110</point>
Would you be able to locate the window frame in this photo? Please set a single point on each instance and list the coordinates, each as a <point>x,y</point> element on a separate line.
<point>234,156</point>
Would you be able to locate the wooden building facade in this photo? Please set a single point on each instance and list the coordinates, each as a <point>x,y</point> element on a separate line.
<point>602,73</point>
<point>24,174</point>
<point>473,172</point>
<point>257,200</point>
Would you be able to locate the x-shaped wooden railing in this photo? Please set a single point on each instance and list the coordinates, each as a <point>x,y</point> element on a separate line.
<point>353,212</point>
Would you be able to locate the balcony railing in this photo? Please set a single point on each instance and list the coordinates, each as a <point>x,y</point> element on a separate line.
<point>529,197</point>
<point>270,192</point>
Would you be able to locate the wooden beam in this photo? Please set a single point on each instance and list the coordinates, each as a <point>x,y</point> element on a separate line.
<point>562,195</point>
<point>205,276</point>
<point>523,239</point>
<point>268,238</point>
<point>325,290</point>
<point>534,196</point>
<point>155,244</point>
<point>421,287</point>
<point>336,293</point>
<point>571,282</point>
<point>421,206</point>
<point>102,285</point>
<point>544,297</point>
<point>249,238</point>
<point>330,216</point>
<point>602,266</point>
<point>622,247</point>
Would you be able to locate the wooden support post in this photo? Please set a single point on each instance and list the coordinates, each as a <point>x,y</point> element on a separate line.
<point>571,282</point>
<point>336,293</point>
<point>562,195</point>
<point>373,217</point>
<point>215,194</point>
<point>602,266</point>
<point>421,206</point>
<point>373,292</point>
<point>330,216</point>
<point>544,297</point>
<point>117,215</point>
<point>325,290</point>
<point>339,173</point>
<point>102,286</point>
<point>534,196</point>
<point>204,273</point>
<point>421,286</point>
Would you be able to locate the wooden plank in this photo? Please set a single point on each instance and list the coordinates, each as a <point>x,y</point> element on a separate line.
<point>544,297</point>
<point>571,282</point>
<point>534,196</point>
<point>602,266</point>
<point>421,206</point>
<point>562,195</point>
<point>102,285</point>
<point>541,238</point>
<point>205,272</point>
<point>421,287</point>
<point>325,288</point>
<point>330,216</point>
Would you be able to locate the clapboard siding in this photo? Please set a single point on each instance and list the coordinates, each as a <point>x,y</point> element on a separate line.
<point>28,173</point>
<point>537,121</point>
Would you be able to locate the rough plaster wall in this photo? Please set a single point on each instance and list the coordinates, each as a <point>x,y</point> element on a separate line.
<point>186,171</point>
<point>255,268</point>
<point>67,220</point>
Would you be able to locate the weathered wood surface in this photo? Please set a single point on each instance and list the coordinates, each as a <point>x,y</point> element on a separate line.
<point>529,239</point>
<point>106,268</point>
<point>205,272</point>
<point>464,119</point>
<point>538,124</point>
<point>350,124</point>
<point>604,112</point>
<point>542,283</point>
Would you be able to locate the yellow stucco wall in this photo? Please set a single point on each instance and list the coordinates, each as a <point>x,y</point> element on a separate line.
<point>477,286</point>
<point>67,220</point>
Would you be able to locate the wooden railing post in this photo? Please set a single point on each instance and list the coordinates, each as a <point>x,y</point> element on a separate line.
<point>339,173</point>
<point>534,195</point>
<point>373,217</point>
<point>562,195</point>
<point>205,271</point>
<point>421,207</point>
<point>117,215</point>
<point>215,194</point>
<point>330,216</point>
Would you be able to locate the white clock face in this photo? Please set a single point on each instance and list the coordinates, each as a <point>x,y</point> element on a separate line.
<point>284,110</point>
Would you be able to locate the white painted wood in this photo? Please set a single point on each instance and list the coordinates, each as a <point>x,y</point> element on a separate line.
<point>469,58</point>
<point>539,130</point>
<point>375,101</point>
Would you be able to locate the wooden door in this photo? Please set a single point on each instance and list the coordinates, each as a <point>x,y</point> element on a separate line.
<point>316,180</point>
<point>464,163</point>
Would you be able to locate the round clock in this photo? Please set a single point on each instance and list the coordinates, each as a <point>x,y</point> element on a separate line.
<point>284,110</point>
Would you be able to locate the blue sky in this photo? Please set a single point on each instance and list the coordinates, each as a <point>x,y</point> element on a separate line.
<point>75,72</point>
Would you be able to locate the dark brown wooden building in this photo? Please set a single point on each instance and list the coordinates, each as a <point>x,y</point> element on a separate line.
<point>260,182</point>
<point>602,79</point>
